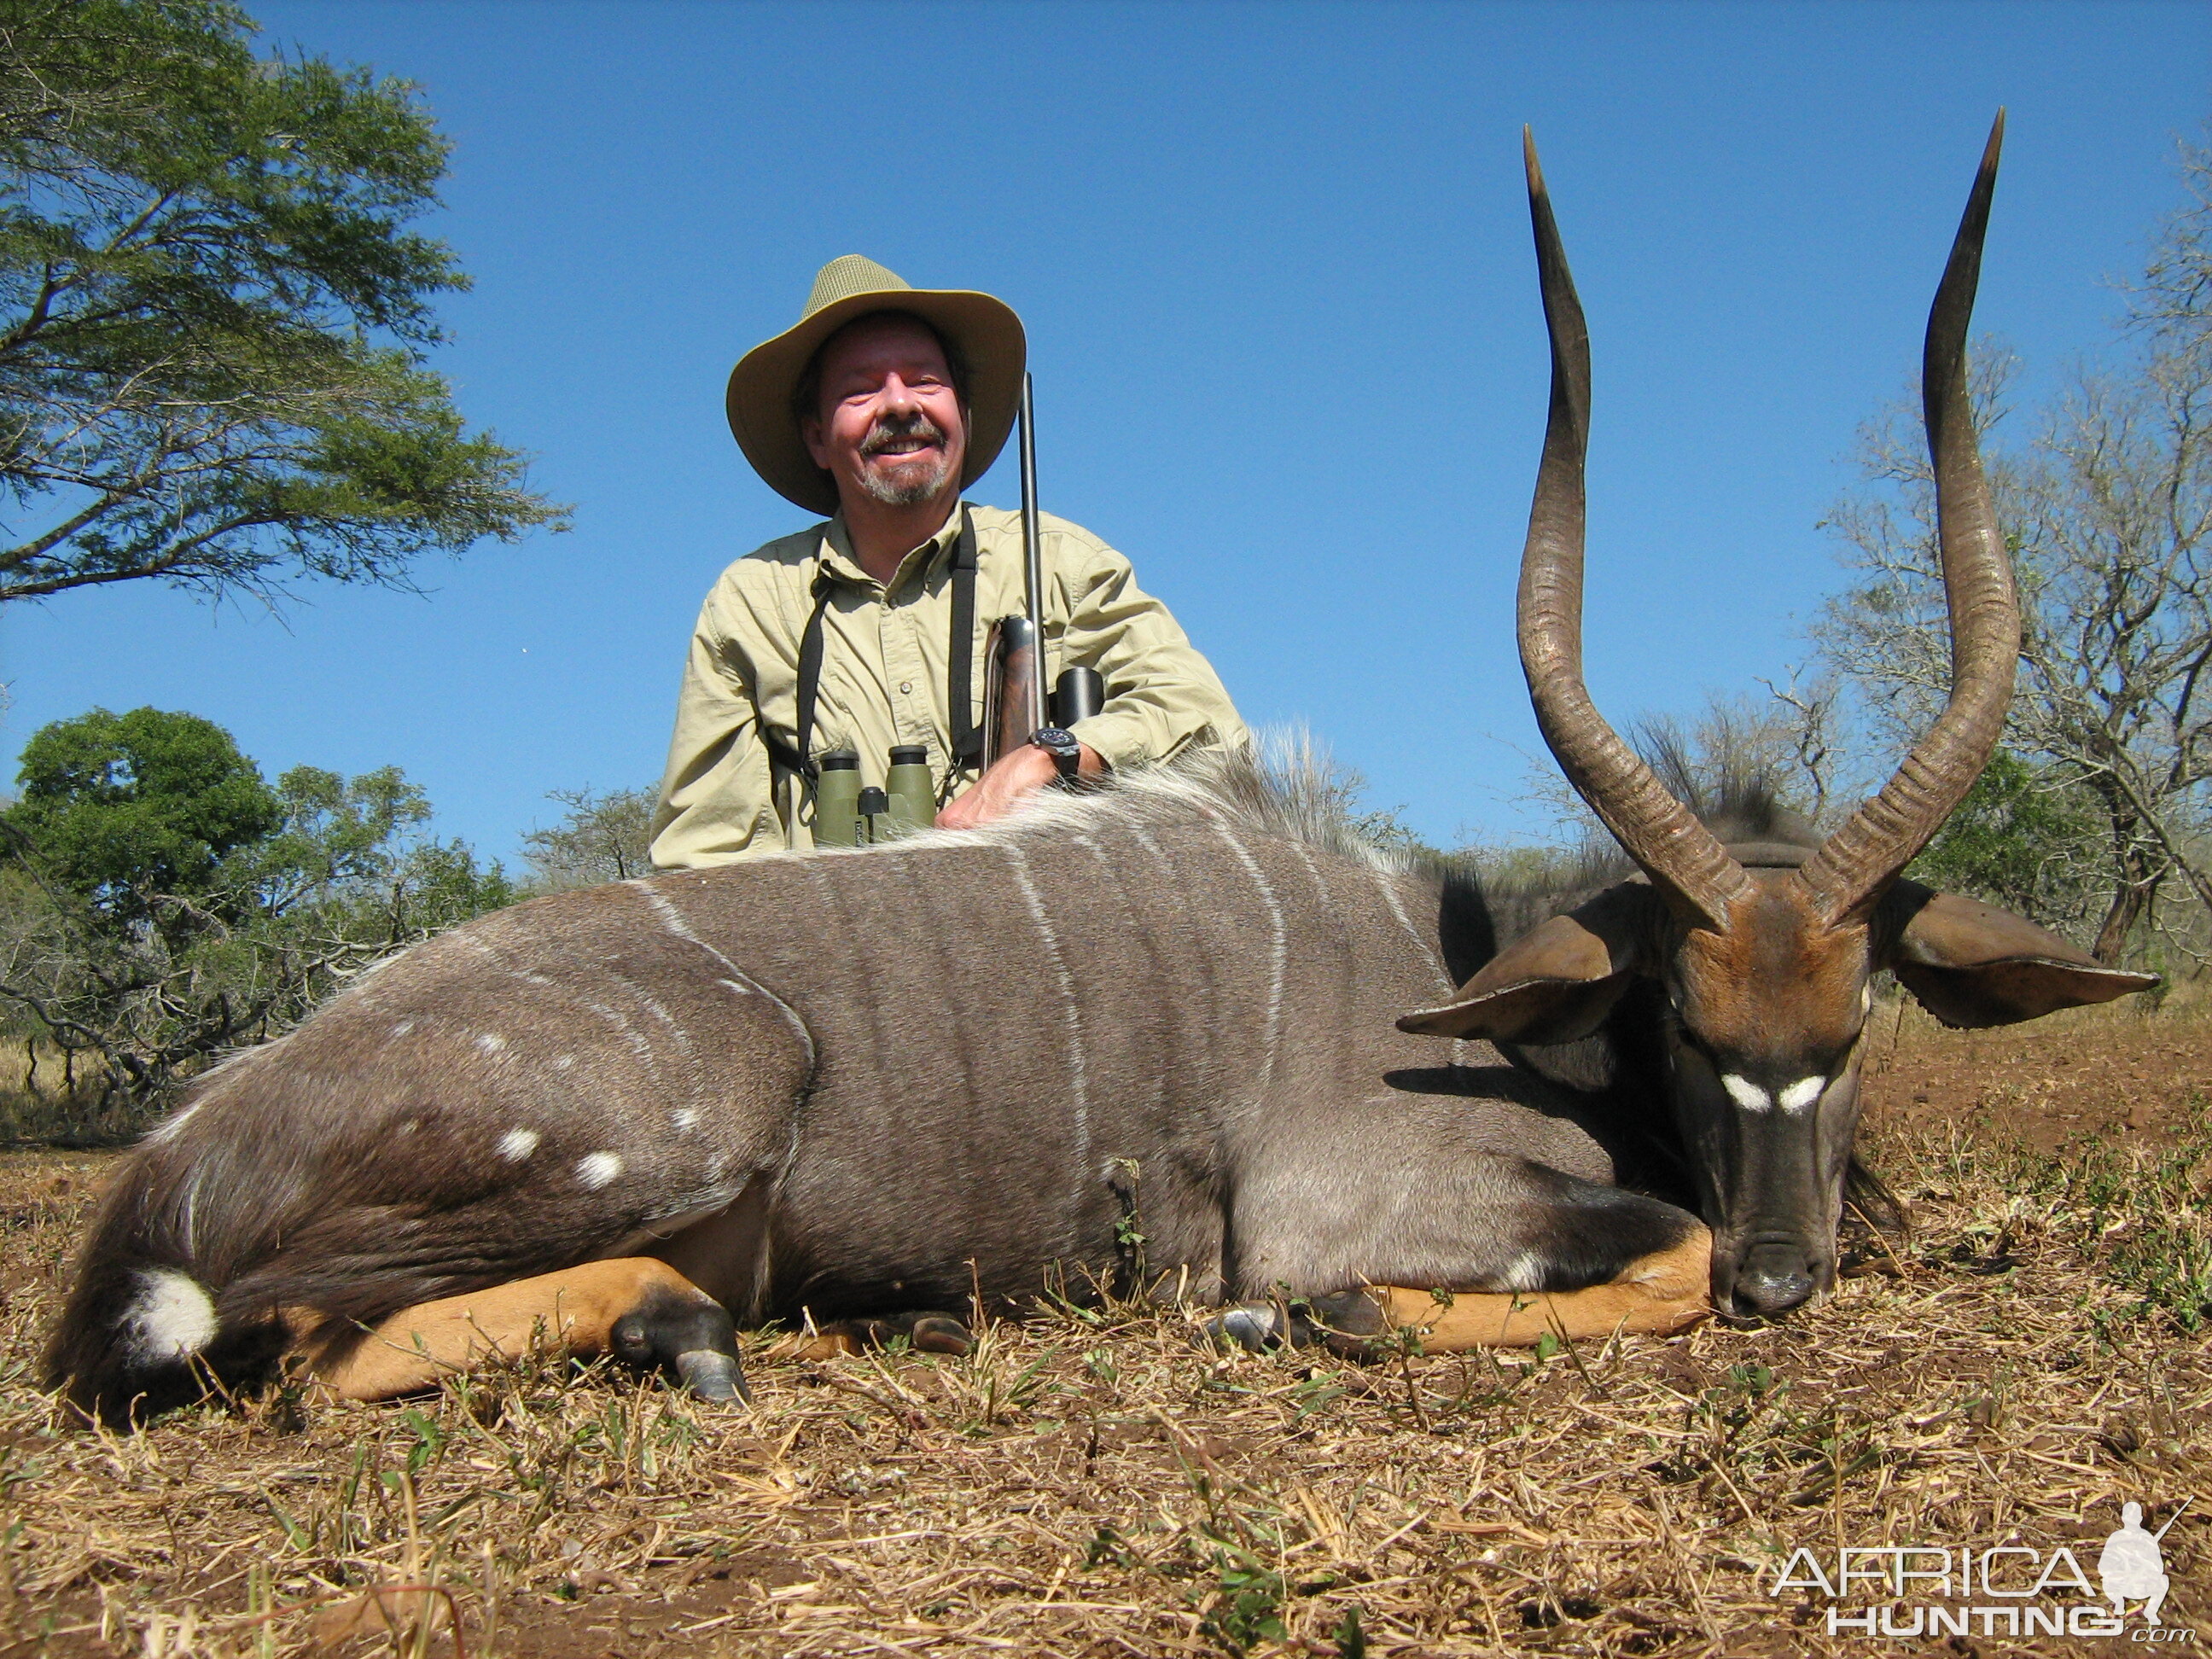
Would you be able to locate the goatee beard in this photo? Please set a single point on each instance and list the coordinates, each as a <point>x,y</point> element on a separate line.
<point>907,481</point>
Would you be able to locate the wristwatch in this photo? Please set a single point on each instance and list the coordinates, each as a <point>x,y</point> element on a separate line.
<point>1066,751</point>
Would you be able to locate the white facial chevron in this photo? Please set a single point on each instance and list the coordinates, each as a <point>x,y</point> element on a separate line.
<point>1746,1094</point>
<point>1799,1096</point>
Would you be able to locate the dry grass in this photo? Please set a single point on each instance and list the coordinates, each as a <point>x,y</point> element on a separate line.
<point>48,1097</point>
<point>2038,1351</point>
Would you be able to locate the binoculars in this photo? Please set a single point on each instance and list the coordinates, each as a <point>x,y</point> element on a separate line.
<point>846,814</point>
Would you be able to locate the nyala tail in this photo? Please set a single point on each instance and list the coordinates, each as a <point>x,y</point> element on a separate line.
<point>141,1332</point>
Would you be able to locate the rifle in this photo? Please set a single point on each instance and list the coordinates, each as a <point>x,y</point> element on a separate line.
<point>1014,701</point>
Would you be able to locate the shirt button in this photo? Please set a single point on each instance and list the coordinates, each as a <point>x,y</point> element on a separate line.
<point>906,688</point>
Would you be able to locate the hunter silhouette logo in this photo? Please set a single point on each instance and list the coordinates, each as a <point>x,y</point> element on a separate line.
<point>2133,1567</point>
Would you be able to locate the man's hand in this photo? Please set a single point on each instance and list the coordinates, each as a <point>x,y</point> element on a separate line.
<point>1007,784</point>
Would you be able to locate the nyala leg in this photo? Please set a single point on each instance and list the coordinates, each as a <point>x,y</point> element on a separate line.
<point>640,1309</point>
<point>1655,1295</point>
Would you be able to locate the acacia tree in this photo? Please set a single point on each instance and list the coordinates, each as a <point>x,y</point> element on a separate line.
<point>213,319</point>
<point>603,837</point>
<point>2108,510</point>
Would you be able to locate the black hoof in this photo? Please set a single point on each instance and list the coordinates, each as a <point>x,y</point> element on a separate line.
<point>1343,1324</point>
<point>713,1375</point>
<point>696,1340</point>
<point>924,1331</point>
<point>1254,1327</point>
<point>933,1332</point>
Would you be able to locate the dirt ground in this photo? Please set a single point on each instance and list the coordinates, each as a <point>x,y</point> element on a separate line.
<point>2038,1350</point>
<point>2047,1082</point>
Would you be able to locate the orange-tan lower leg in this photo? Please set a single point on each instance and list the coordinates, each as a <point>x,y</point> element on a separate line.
<point>574,1312</point>
<point>1657,1296</point>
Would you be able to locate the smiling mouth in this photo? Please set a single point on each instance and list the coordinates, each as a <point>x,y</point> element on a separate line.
<point>919,436</point>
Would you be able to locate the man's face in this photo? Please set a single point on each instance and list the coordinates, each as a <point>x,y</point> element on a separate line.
<point>889,424</point>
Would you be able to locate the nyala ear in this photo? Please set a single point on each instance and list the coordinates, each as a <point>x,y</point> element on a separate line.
<point>1972,964</point>
<point>1554,984</point>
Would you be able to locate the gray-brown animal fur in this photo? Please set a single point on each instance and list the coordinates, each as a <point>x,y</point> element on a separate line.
<point>948,1051</point>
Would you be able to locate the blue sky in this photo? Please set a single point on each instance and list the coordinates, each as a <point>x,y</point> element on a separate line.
<point>1274,264</point>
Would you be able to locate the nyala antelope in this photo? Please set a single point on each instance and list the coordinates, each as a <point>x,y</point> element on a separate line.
<point>856,1087</point>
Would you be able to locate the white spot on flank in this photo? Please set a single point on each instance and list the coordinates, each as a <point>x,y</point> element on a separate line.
<point>518,1143</point>
<point>491,1042</point>
<point>172,1318</point>
<point>403,1028</point>
<point>1800,1095</point>
<point>1749,1096</point>
<point>567,1062</point>
<point>684,1118</point>
<point>595,1170</point>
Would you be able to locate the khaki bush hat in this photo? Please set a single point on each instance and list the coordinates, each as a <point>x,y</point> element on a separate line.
<point>985,331</point>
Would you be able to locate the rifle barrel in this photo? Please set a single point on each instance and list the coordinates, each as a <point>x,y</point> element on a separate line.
<point>1032,553</point>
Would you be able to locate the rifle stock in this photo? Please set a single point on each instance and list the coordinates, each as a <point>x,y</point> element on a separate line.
<point>1013,688</point>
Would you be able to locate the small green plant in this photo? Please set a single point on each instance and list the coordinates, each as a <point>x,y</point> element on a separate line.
<point>1249,1604</point>
<point>1129,1239</point>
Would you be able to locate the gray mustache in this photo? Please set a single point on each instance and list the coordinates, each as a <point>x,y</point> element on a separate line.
<point>888,430</point>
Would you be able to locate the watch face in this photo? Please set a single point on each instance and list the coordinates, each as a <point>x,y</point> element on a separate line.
<point>1064,747</point>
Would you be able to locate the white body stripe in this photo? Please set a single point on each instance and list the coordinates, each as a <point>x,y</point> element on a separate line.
<point>1078,1082</point>
<point>739,980</point>
<point>1388,883</point>
<point>1279,948</point>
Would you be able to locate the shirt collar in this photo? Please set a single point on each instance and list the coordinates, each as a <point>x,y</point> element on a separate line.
<point>835,552</point>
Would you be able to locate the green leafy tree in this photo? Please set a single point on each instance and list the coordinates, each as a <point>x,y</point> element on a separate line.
<point>2026,837</point>
<point>163,903</point>
<point>213,319</point>
<point>131,809</point>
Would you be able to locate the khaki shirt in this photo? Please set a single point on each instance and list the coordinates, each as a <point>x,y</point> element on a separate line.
<point>885,678</point>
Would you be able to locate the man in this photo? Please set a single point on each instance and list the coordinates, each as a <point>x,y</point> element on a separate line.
<point>876,410</point>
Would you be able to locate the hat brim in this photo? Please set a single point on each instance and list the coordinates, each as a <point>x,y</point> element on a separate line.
<point>986,331</point>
